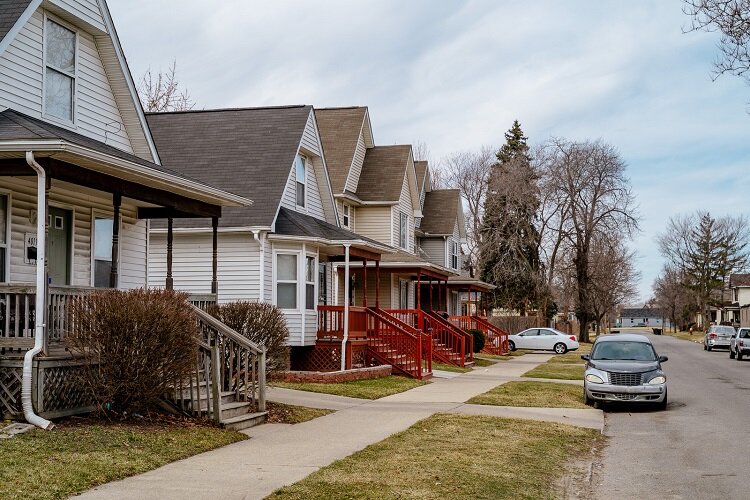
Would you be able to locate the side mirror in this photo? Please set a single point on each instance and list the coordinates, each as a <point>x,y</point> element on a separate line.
<point>585,357</point>
<point>662,359</point>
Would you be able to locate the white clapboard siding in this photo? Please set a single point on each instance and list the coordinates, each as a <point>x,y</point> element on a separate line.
<point>21,87</point>
<point>86,10</point>
<point>310,139</point>
<point>404,206</point>
<point>352,179</point>
<point>21,70</point>
<point>82,201</point>
<point>375,223</point>
<point>238,264</point>
<point>313,200</point>
<point>435,250</point>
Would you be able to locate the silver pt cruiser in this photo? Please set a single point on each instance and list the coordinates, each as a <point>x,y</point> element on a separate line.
<point>624,368</point>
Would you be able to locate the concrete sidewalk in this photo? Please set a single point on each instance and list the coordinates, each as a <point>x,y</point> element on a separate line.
<point>278,455</point>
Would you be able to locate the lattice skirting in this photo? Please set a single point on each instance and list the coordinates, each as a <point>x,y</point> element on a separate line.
<point>57,390</point>
<point>326,356</point>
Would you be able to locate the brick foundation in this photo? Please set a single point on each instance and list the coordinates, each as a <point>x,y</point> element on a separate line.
<point>334,377</point>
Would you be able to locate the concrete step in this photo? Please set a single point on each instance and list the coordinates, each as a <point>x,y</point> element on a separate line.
<point>245,421</point>
<point>226,396</point>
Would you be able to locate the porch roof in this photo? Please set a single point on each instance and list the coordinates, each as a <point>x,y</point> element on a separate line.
<point>468,281</point>
<point>20,133</point>
<point>406,263</point>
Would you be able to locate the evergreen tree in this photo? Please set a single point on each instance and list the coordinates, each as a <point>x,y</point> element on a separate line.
<point>509,246</point>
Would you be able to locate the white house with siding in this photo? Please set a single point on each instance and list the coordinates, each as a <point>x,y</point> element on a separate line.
<point>275,251</point>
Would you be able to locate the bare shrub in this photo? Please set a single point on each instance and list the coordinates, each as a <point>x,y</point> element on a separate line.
<point>136,345</point>
<point>261,323</point>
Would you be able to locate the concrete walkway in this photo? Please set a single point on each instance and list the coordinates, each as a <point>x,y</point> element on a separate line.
<point>278,455</point>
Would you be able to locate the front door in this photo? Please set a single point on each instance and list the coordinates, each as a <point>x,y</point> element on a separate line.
<point>59,239</point>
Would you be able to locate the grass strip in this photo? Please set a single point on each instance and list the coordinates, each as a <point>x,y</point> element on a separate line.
<point>483,361</point>
<point>375,388</point>
<point>280,413</point>
<point>71,459</point>
<point>533,394</point>
<point>449,368</point>
<point>453,456</point>
<point>559,371</point>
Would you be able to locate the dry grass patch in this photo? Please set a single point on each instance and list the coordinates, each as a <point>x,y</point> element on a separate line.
<point>74,458</point>
<point>449,368</point>
<point>559,371</point>
<point>533,394</point>
<point>375,388</point>
<point>695,337</point>
<point>483,361</point>
<point>453,456</point>
<point>280,413</point>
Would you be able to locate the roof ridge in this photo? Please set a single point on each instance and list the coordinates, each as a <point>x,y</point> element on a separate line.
<point>329,108</point>
<point>220,110</point>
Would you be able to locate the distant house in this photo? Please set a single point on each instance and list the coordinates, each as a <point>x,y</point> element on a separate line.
<point>739,285</point>
<point>642,316</point>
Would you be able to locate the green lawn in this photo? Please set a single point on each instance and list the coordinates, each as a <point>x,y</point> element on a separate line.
<point>365,389</point>
<point>449,368</point>
<point>483,361</point>
<point>560,371</point>
<point>74,458</point>
<point>532,394</point>
<point>280,413</point>
<point>454,456</point>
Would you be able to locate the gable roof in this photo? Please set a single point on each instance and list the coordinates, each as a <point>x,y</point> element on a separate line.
<point>291,223</point>
<point>383,173</point>
<point>421,168</point>
<point>739,280</point>
<point>441,211</point>
<point>641,312</point>
<point>10,13</point>
<point>340,129</point>
<point>249,151</point>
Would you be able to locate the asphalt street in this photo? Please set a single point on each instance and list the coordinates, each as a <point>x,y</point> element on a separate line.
<point>697,448</point>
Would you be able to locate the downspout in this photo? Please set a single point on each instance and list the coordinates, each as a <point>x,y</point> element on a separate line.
<point>261,265</point>
<point>40,305</point>
<point>346,307</point>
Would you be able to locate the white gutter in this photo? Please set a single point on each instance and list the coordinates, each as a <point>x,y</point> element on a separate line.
<point>346,308</point>
<point>40,305</point>
<point>262,265</point>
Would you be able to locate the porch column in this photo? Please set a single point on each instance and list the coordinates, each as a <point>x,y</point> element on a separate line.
<point>377,284</point>
<point>418,297</point>
<point>346,308</point>
<point>468,302</point>
<point>364,297</point>
<point>170,235</point>
<point>116,202</point>
<point>215,256</point>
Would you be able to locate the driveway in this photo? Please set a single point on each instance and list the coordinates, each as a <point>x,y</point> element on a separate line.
<point>695,448</point>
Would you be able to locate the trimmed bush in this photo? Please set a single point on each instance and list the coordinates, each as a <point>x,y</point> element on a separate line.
<point>478,340</point>
<point>263,324</point>
<point>137,345</point>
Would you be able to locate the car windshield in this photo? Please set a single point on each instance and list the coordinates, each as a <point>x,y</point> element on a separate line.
<point>623,351</point>
<point>724,330</point>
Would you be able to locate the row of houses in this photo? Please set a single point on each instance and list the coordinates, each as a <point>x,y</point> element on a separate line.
<point>294,206</point>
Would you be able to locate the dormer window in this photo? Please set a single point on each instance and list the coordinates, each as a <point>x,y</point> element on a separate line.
<point>60,71</point>
<point>300,167</point>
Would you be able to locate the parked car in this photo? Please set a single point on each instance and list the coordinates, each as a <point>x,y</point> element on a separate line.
<point>718,336</point>
<point>547,339</point>
<point>624,368</point>
<point>739,345</point>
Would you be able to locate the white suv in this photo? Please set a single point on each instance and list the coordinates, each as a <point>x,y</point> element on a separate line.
<point>739,345</point>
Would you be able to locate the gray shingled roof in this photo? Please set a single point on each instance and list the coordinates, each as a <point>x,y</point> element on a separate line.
<point>440,211</point>
<point>739,280</point>
<point>10,11</point>
<point>293,223</point>
<point>383,173</point>
<point>641,312</point>
<point>339,132</point>
<point>18,126</point>
<point>247,151</point>
<point>421,168</point>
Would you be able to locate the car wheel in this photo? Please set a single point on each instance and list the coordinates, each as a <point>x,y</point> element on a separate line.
<point>739,355</point>
<point>587,400</point>
<point>708,347</point>
<point>560,348</point>
<point>704,347</point>
<point>511,345</point>
<point>731,353</point>
<point>663,405</point>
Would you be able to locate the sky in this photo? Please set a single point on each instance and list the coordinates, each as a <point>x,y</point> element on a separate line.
<point>455,74</point>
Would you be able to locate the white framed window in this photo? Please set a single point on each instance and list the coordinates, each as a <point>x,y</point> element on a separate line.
<point>454,255</point>
<point>347,216</point>
<point>309,282</point>
<point>301,174</point>
<point>403,230</point>
<point>4,237</point>
<point>103,229</point>
<point>403,294</point>
<point>60,54</point>
<point>286,281</point>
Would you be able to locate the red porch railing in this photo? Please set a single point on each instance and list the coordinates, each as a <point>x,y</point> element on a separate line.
<point>450,344</point>
<point>496,339</point>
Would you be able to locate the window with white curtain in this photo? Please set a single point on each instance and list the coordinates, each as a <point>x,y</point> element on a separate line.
<point>286,281</point>
<point>59,71</point>
<point>403,230</point>
<point>309,282</point>
<point>4,221</point>
<point>103,229</point>
<point>300,170</point>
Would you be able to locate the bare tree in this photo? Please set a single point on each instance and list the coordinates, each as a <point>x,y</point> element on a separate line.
<point>421,151</point>
<point>672,295</point>
<point>469,172</point>
<point>594,199</point>
<point>613,277</point>
<point>161,92</point>
<point>731,18</point>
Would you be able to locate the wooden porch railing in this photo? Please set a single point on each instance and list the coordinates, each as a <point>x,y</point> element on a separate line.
<point>226,362</point>
<point>458,344</point>
<point>331,322</point>
<point>18,315</point>
<point>496,339</point>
